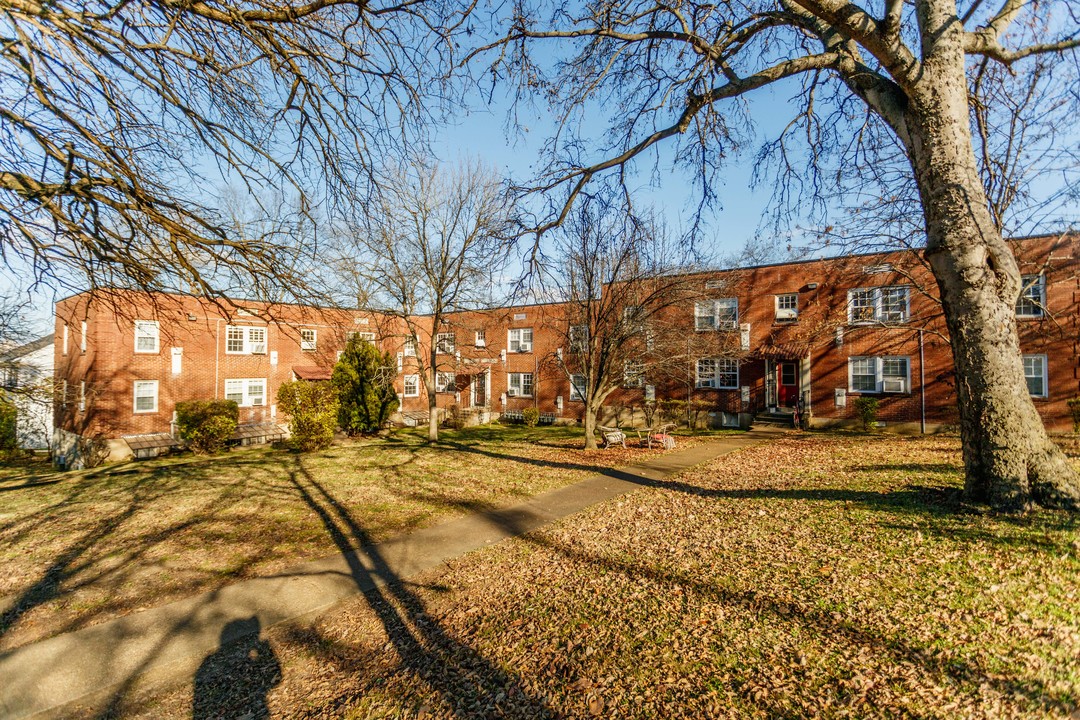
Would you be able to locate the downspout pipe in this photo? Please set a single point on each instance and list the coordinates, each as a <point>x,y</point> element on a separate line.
<point>922,384</point>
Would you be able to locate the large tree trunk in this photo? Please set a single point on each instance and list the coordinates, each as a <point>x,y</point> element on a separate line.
<point>1009,459</point>
<point>432,403</point>
<point>590,425</point>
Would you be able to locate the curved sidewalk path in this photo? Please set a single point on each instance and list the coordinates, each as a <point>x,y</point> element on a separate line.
<point>96,665</point>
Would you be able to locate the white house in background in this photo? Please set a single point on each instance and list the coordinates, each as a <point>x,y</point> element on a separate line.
<point>26,378</point>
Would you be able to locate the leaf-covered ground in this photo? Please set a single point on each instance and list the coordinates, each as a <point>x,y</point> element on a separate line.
<point>816,576</point>
<point>79,548</point>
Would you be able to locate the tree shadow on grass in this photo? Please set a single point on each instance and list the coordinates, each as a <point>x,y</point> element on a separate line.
<point>465,682</point>
<point>817,620</point>
<point>826,624</point>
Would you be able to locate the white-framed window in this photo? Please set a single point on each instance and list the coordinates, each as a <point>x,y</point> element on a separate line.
<point>578,336</point>
<point>82,396</point>
<point>147,336</point>
<point>245,340</point>
<point>520,340</point>
<point>409,349</point>
<point>146,396</point>
<point>480,338</point>
<point>891,305</point>
<point>64,347</point>
<point>718,373</point>
<point>411,385</point>
<point>445,382</point>
<point>1035,374</point>
<point>365,336</point>
<point>1032,300</point>
<point>309,338</point>
<point>63,393</point>
<point>633,374</point>
<point>577,388</point>
<point>722,314</point>
<point>634,317</point>
<point>247,392</point>
<point>862,374</point>
<point>82,338</point>
<point>888,374</point>
<point>444,343</point>
<point>519,384</point>
<point>787,307</point>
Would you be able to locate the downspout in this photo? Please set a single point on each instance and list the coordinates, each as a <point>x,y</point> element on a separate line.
<point>922,384</point>
<point>217,355</point>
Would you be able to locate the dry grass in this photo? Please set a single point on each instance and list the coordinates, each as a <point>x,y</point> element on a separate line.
<point>820,575</point>
<point>78,548</point>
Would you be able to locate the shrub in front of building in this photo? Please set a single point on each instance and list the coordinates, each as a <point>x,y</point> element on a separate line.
<point>205,426</point>
<point>363,378</point>
<point>531,416</point>
<point>9,436</point>
<point>867,408</point>
<point>313,413</point>
<point>1074,410</point>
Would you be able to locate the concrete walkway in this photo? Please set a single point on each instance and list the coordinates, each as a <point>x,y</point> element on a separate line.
<point>95,665</point>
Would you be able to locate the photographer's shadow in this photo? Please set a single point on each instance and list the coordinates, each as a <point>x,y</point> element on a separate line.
<point>233,681</point>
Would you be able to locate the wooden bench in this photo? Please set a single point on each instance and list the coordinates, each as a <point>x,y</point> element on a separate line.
<point>612,436</point>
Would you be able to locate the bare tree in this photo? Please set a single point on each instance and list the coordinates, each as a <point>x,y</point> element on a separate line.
<point>617,277</point>
<point>897,70</point>
<point>118,116</point>
<point>431,245</point>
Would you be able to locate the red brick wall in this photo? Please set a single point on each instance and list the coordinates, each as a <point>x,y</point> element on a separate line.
<point>110,366</point>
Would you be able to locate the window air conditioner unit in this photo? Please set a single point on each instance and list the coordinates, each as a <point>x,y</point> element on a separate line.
<point>894,385</point>
<point>525,347</point>
<point>786,314</point>
<point>511,392</point>
<point>258,349</point>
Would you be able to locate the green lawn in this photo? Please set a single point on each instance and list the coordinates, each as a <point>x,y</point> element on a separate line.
<point>76,548</point>
<point>827,575</point>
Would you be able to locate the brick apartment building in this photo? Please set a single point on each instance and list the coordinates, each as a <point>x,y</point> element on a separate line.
<point>825,331</point>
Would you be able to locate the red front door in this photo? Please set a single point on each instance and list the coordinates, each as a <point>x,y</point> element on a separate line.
<point>788,394</point>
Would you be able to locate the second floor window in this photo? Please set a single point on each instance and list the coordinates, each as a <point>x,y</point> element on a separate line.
<point>578,335</point>
<point>520,340</point>
<point>720,314</point>
<point>1032,300</point>
<point>411,386</point>
<point>444,343</point>
<point>147,333</point>
<point>480,338</point>
<point>245,340</point>
<point>308,339</point>
<point>633,374</point>
<point>787,307</point>
<point>410,347</point>
<point>890,305</point>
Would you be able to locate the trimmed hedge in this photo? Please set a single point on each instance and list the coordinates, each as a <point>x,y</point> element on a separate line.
<point>206,425</point>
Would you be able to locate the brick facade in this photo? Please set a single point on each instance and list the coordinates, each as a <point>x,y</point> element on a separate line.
<point>813,351</point>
